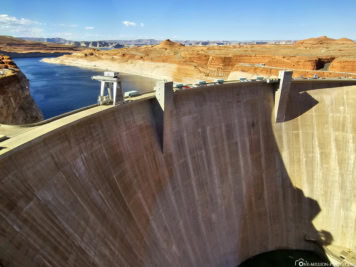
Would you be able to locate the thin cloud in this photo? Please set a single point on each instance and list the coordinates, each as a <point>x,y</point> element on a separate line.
<point>7,21</point>
<point>89,28</point>
<point>142,24</point>
<point>129,23</point>
<point>14,26</point>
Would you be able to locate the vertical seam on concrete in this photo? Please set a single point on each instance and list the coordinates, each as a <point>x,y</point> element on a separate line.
<point>195,197</point>
<point>129,209</point>
<point>265,192</point>
<point>209,152</point>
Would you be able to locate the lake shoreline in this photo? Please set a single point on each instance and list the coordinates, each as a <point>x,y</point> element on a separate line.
<point>33,54</point>
<point>159,71</point>
<point>58,89</point>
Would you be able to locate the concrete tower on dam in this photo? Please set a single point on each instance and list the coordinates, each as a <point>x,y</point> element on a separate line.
<point>204,177</point>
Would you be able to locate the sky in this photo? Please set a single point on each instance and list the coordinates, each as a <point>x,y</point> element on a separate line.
<point>178,20</point>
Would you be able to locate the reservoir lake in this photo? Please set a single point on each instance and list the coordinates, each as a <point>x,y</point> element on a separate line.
<point>58,89</point>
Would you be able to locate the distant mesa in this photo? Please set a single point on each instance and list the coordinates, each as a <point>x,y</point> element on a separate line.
<point>16,47</point>
<point>344,41</point>
<point>324,40</point>
<point>169,43</point>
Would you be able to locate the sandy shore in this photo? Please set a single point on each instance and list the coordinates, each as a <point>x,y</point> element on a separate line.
<point>160,71</point>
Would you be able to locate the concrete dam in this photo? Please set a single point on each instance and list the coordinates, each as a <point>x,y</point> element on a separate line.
<point>200,177</point>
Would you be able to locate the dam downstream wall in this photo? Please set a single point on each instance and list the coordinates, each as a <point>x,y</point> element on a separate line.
<point>318,146</point>
<point>230,184</point>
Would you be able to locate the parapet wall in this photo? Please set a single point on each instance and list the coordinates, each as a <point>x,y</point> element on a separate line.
<point>229,184</point>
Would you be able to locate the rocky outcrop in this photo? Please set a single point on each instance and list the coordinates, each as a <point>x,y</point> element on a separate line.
<point>324,40</point>
<point>7,66</point>
<point>344,65</point>
<point>344,41</point>
<point>316,41</point>
<point>169,43</point>
<point>16,103</point>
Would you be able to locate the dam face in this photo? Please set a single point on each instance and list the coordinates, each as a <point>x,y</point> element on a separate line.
<point>228,182</point>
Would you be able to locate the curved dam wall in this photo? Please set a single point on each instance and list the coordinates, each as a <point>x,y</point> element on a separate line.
<point>229,184</point>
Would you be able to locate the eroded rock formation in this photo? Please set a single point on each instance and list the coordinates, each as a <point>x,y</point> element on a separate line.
<point>344,64</point>
<point>16,103</point>
<point>324,40</point>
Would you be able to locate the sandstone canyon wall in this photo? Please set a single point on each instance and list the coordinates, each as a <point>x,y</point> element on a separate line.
<point>324,57</point>
<point>16,104</point>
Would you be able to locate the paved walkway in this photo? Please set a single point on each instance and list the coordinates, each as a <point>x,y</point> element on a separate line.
<point>20,134</point>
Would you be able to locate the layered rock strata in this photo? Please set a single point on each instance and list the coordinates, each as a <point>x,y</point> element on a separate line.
<point>15,47</point>
<point>324,57</point>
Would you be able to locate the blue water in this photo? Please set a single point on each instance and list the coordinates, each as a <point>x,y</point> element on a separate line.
<point>58,89</point>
